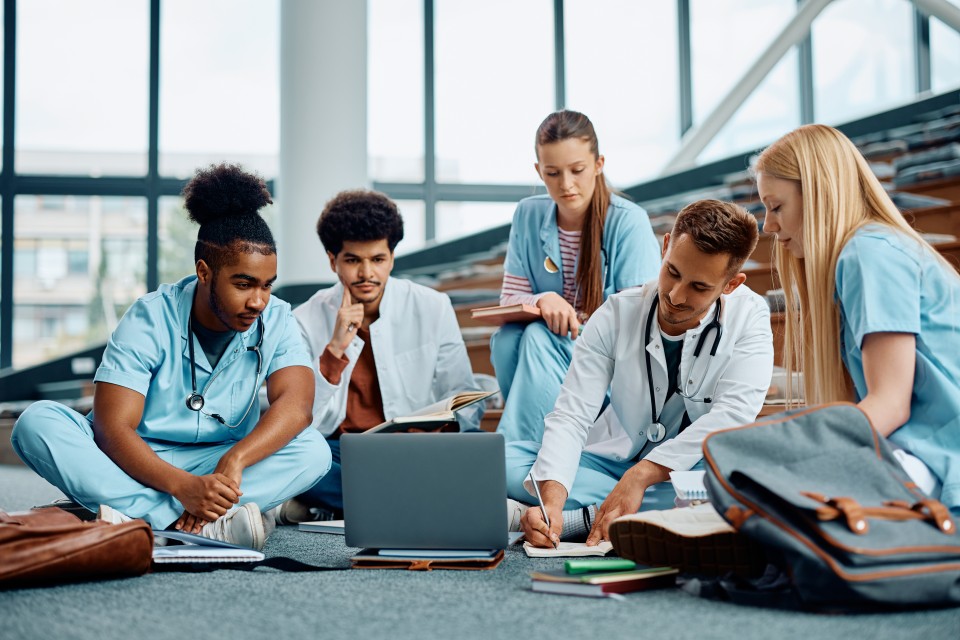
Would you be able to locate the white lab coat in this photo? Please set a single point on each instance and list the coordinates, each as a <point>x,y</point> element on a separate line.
<point>610,355</point>
<point>417,347</point>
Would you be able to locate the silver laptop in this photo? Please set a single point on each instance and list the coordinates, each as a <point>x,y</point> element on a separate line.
<point>424,490</point>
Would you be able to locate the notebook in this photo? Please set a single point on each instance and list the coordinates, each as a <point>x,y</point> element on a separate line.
<point>568,550</point>
<point>689,485</point>
<point>424,490</point>
<point>322,526</point>
<point>603,584</point>
<point>200,549</point>
<point>435,415</point>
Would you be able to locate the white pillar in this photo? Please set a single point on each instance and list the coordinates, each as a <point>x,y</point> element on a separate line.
<point>323,125</point>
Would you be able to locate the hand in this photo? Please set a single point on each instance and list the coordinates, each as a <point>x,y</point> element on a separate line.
<point>206,498</point>
<point>560,316</point>
<point>349,317</point>
<point>626,498</point>
<point>189,523</point>
<point>532,523</point>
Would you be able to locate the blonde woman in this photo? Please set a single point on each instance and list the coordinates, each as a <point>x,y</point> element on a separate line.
<point>873,311</point>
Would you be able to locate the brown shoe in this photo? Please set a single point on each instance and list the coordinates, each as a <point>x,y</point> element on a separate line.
<point>692,539</point>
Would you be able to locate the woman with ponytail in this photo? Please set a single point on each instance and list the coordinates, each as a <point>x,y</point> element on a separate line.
<point>569,250</point>
<point>873,311</point>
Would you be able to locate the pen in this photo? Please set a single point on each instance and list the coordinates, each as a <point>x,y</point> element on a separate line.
<point>543,510</point>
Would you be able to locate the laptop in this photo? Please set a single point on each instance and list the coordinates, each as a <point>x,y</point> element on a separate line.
<point>424,490</point>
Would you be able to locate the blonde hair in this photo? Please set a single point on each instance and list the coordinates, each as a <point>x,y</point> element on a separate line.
<point>840,194</point>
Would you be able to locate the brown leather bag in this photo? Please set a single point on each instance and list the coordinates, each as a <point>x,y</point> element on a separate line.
<point>51,546</point>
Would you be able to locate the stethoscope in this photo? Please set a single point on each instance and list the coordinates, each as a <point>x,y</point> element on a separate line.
<point>195,401</point>
<point>657,431</point>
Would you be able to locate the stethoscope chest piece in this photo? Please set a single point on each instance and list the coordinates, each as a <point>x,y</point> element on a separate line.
<point>195,402</point>
<point>656,432</point>
<point>549,265</point>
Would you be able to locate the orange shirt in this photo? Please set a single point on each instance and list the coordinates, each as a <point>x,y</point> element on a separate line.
<point>364,402</point>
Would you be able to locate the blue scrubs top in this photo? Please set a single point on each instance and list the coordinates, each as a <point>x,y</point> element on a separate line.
<point>148,352</point>
<point>632,253</point>
<point>886,282</point>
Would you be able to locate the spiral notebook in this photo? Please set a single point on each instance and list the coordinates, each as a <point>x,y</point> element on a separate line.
<point>196,549</point>
<point>689,485</point>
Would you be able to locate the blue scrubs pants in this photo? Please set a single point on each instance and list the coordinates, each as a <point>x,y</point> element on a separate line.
<point>58,444</point>
<point>328,493</point>
<point>594,481</point>
<point>530,362</point>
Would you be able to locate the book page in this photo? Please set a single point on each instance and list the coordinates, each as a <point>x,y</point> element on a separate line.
<point>568,550</point>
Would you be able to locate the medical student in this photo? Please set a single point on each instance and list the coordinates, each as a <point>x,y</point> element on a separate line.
<point>381,347</point>
<point>873,311</point>
<point>568,251</point>
<point>682,356</point>
<point>176,436</point>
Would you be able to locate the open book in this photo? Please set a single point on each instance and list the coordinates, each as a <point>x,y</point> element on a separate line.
<point>435,415</point>
<point>509,313</point>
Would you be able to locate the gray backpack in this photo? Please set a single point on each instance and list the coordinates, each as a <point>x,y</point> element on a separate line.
<point>820,489</point>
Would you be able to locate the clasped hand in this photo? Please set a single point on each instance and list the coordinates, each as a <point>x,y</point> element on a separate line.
<point>559,315</point>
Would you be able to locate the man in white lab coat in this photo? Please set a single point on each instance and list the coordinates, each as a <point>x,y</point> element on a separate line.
<point>682,356</point>
<point>382,347</point>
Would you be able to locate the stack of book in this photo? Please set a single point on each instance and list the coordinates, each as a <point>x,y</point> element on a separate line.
<point>602,584</point>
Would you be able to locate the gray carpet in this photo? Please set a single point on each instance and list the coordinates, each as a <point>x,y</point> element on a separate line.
<point>395,604</point>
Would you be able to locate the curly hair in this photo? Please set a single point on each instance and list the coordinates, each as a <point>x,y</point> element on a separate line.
<point>359,215</point>
<point>225,200</point>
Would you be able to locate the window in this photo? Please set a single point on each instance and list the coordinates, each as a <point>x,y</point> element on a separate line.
<point>82,92</point>
<point>727,38</point>
<point>862,58</point>
<point>456,219</point>
<point>494,85</point>
<point>633,104</point>
<point>89,260</point>
<point>219,85</point>
<point>414,226</point>
<point>945,55</point>
<point>395,113</point>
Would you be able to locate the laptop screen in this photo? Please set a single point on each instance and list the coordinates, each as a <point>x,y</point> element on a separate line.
<point>424,490</point>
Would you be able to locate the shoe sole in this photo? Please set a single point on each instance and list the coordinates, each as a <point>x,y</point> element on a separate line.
<point>710,555</point>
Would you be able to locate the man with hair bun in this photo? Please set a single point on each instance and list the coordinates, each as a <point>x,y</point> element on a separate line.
<point>176,436</point>
<point>657,369</point>
<point>382,347</point>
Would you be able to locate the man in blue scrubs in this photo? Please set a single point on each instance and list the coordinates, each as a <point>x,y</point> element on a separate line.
<point>176,436</point>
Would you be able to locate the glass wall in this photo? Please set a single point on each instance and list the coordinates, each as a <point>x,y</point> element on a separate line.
<point>105,135</point>
<point>82,93</point>
<point>395,112</point>
<point>494,85</point>
<point>863,58</point>
<point>219,85</point>
<point>633,102</point>
<point>79,262</point>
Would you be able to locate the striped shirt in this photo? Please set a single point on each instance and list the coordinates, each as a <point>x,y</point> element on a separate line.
<point>517,290</point>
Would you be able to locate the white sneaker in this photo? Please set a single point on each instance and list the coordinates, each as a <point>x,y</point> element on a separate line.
<point>692,539</point>
<point>292,511</point>
<point>241,526</point>
<point>515,511</point>
<point>111,515</point>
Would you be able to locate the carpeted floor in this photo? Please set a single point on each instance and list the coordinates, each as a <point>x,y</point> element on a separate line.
<point>395,604</point>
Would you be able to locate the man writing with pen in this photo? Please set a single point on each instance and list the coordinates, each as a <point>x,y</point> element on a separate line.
<point>382,347</point>
<point>680,357</point>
